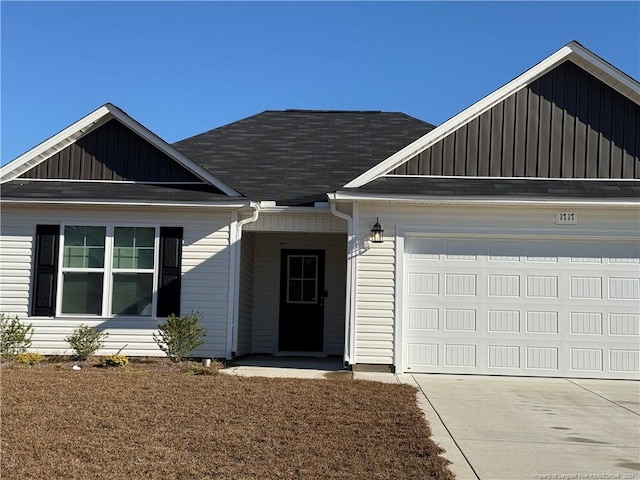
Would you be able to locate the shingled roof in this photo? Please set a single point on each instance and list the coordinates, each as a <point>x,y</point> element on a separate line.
<point>295,157</point>
<point>498,187</point>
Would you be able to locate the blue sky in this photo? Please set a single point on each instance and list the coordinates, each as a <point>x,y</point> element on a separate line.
<point>181,68</point>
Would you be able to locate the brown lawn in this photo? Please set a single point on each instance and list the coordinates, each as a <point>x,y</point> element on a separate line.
<point>149,422</point>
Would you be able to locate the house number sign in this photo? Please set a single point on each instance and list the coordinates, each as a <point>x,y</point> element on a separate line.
<point>566,218</point>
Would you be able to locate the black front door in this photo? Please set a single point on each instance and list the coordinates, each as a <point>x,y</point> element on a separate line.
<point>302,301</point>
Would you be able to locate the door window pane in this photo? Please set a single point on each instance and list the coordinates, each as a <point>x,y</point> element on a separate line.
<point>309,267</point>
<point>82,293</point>
<point>295,291</point>
<point>132,294</point>
<point>295,267</point>
<point>309,291</point>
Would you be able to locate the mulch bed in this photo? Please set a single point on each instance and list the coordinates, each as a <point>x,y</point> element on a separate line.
<point>156,421</point>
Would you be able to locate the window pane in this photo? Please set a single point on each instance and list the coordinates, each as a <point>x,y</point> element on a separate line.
<point>74,236</point>
<point>134,247</point>
<point>95,257</point>
<point>83,247</point>
<point>132,294</point>
<point>295,267</point>
<point>123,257</point>
<point>145,237</point>
<point>309,291</point>
<point>310,267</point>
<point>295,291</point>
<point>95,236</point>
<point>123,236</point>
<point>82,293</point>
<point>145,258</point>
<point>74,257</point>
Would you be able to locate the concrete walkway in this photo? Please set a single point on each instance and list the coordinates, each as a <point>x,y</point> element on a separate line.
<point>511,428</point>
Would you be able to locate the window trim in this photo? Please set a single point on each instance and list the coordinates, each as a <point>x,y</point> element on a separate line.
<point>108,270</point>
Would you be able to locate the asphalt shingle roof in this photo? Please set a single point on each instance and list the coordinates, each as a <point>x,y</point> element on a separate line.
<point>295,157</point>
<point>116,191</point>
<point>465,186</point>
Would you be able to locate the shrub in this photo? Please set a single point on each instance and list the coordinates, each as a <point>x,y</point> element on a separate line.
<point>178,336</point>
<point>85,341</point>
<point>115,361</point>
<point>29,358</point>
<point>15,337</point>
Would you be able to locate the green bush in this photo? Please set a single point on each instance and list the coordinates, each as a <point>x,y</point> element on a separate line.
<point>29,358</point>
<point>178,336</point>
<point>85,341</point>
<point>15,337</point>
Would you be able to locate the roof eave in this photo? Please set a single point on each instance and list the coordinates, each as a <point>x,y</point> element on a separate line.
<point>225,204</point>
<point>345,196</point>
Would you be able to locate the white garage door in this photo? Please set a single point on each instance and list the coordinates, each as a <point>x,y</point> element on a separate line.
<point>514,306</point>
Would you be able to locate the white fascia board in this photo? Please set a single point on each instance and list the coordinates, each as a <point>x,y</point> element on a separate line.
<point>484,201</point>
<point>98,117</point>
<point>117,203</point>
<point>613,77</point>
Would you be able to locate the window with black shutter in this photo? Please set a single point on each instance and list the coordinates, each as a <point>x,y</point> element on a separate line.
<point>107,271</point>
<point>45,274</point>
<point>169,278</point>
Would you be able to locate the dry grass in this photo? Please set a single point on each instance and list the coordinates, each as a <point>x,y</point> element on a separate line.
<point>154,421</point>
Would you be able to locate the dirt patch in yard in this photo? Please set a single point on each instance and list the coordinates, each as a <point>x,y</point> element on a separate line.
<point>156,421</point>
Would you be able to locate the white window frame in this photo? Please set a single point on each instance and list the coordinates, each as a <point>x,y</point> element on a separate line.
<point>108,270</point>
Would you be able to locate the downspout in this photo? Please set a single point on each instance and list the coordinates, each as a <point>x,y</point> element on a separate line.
<point>349,356</point>
<point>234,297</point>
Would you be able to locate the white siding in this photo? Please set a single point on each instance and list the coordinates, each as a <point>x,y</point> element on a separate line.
<point>267,287</point>
<point>375,302</point>
<point>376,263</point>
<point>205,275</point>
<point>245,314</point>
<point>298,222</point>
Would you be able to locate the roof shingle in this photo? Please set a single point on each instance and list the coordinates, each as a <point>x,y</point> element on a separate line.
<point>295,157</point>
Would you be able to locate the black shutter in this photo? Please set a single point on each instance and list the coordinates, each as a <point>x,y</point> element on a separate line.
<point>45,271</point>
<point>169,280</point>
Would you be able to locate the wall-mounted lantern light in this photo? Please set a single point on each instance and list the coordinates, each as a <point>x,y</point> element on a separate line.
<point>376,232</point>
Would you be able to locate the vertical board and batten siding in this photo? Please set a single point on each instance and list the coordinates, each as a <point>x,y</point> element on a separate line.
<point>111,152</point>
<point>376,274</point>
<point>565,124</point>
<point>266,289</point>
<point>205,276</point>
<point>245,313</point>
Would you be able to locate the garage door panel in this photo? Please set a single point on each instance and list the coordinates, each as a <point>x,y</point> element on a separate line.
<point>512,306</point>
<point>532,358</point>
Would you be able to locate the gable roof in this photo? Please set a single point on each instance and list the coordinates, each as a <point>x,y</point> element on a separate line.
<point>294,157</point>
<point>576,53</point>
<point>91,123</point>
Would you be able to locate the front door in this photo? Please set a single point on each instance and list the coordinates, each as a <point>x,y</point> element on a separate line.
<point>302,301</point>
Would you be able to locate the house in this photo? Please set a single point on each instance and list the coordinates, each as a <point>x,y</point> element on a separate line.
<point>510,233</point>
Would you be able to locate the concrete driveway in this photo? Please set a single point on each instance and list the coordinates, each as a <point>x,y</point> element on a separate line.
<point>530,428</point>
